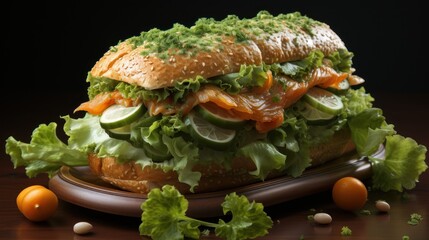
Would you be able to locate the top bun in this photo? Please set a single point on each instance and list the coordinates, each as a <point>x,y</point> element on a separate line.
<point>158,59</point>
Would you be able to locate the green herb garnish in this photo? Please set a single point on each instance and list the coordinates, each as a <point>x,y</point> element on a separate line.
<point>346,231</point>
<point>204,35</point>
<point>164,217</point>
<point>415,219</point>
<point>365,212</point>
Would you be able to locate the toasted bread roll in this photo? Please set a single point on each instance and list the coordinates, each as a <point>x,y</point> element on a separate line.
<point>293,38</point>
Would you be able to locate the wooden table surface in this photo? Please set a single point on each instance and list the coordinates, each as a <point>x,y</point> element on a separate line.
<point>407,112</point>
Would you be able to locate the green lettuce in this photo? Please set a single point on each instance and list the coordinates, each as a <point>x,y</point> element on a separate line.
<point>185,156</point>
<point>404,159</point>
<point>249,76</point>
<point>341,60</point>
<point>45,153</point>
<point>265,157</point>
<point>299,70</point>
<point>403,163</point>
<point>369,130</point>
<point>355,101</point>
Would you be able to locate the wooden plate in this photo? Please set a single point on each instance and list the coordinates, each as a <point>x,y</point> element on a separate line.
<point>80,187</point>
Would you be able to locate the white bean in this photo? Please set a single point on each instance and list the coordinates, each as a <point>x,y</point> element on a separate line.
<point>82,228</point>
<point>382,206</point>
<point>322,218</point>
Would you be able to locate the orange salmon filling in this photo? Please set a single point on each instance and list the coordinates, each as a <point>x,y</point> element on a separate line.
<point>265,105</point>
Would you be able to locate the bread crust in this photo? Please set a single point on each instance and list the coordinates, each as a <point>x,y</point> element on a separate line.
<point>151,72</point>
<point>131,177</point>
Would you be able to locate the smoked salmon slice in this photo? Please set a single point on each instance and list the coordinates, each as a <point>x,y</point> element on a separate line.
<point>265,105</point>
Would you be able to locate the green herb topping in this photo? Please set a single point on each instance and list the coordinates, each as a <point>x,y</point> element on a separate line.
<point>207,34</point>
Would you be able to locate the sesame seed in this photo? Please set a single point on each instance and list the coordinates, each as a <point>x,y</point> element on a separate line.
<point>204,64</point>
<point>192,72</point>
<point>152,68</point>
<point>209,56</point>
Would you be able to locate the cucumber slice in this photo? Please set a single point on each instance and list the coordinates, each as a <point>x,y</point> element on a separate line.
<point>341,88</point>
<point>209,134</point>
<point>324,100</point>
<point>117,116</point>
<point>122,133</point>
<point>314,115</point>
<point>219,117</point>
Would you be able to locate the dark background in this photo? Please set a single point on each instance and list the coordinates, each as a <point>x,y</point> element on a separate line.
<point>50,47</point>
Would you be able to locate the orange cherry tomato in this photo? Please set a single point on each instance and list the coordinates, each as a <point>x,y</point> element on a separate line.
<point>349,194</point>
<point>37,203</point>
<point>23,193</point>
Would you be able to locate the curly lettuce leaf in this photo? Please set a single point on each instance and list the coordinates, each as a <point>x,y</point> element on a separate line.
<point>300,69</point>
<point>46,153</point>
<point>355,101</point>
<point>369,130</point>
<point>99,85</point>
<point>265,156</point>
<point>403,163</point>
<point>88,136</point>
<point>341,60</point>
<point>185,156</point>
<point>249,76</point>
<point>404,159</point>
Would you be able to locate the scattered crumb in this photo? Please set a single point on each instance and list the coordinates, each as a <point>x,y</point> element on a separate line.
<point>365,212</point>
<point>205,232</point>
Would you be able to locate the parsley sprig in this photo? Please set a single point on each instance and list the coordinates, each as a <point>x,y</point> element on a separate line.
<point>164,217</point>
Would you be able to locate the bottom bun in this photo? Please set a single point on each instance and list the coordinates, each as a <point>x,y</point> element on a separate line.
<point>131,177</point>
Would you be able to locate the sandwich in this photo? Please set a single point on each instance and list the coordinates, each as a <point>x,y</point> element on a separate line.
<point>223,104</point>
